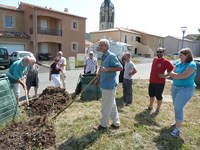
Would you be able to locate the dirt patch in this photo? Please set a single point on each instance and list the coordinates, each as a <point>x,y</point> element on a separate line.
<point>37,132</point>
<point>51,100</point>
<point>27,135</point>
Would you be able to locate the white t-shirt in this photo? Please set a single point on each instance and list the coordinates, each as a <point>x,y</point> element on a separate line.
<point>91,65</point>
<point>62,61</point>
<point>129,66</point>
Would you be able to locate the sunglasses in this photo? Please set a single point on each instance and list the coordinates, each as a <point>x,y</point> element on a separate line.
<point>160,52</point>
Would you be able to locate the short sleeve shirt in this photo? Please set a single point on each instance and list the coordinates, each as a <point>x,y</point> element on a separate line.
<point>189,81</point>
<point>108,80</point>
<point>16,71</point>
<point>62,61</point>
<point>159,66</point>
<point>129,66</point>
<point>91,65</point>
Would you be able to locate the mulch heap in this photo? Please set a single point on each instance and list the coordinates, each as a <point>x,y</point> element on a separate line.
<point>37,132</point>
<point>52,100</point>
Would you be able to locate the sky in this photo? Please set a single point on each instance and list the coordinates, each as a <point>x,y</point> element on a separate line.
<point>157,17</point>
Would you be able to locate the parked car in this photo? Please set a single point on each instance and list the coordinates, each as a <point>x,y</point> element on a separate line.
<point>45,56</point>
<point>19,55</point>
<point>4,57</point>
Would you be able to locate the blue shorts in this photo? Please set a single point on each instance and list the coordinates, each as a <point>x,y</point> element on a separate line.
<point>156,90</point>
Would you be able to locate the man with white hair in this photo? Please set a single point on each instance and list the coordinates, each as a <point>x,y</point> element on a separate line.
<point>108,83</point>
<point>62,66</point>
<point>16,74</point>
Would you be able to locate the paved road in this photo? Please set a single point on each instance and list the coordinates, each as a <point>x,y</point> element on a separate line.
<point>73,75</point>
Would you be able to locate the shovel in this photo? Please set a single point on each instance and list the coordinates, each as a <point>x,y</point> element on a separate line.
<point>27,100</point>
<point>75,98</point>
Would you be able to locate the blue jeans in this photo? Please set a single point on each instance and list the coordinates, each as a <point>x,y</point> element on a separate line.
<point>180,96</point>
<point>127,91</point>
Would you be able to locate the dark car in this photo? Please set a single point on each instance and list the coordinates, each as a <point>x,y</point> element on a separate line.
<point>4,57</point>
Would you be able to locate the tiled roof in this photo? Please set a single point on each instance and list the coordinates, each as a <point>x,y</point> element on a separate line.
<point>50,9</point>
<point>9,34</point>
<point>9,7</point>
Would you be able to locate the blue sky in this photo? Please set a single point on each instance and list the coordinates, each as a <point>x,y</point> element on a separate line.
<point>159,17</point>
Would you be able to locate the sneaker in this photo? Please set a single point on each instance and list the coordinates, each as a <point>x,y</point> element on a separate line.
<point>99,128</point>
<point>114,126</point>
<point>175,132</point>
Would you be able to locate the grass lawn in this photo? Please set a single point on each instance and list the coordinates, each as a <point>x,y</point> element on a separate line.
<point>139,129</point>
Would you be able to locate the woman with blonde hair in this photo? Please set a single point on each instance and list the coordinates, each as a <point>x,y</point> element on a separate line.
<point>183,85</point>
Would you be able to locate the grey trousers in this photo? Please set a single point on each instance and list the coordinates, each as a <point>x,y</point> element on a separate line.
<point>127,91</point>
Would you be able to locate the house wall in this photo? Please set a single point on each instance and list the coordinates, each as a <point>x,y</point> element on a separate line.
<point>33,16</point>
<point>171,44</point>
<point>96,36</point>
<point>18,20</point>
<point>117,35</point>
<point>152,41</point>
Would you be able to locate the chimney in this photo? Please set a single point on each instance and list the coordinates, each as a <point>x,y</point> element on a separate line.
<point>66,10</point>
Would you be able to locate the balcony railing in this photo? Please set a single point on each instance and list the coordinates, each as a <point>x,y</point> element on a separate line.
<point>47,31</point>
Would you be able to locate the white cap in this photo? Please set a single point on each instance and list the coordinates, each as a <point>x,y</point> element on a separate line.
<point>91,52</point>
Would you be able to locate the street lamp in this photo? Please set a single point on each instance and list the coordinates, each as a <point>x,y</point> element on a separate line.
<point>183,30</point>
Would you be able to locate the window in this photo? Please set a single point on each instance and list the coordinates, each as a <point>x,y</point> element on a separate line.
<point>74,46</point>
<point>9,21</point>
<point>74,25</point>
<point>125,40</point>
<point>137,39</point>
<point>132,38</point>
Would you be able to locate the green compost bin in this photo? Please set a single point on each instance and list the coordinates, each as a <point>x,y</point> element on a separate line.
<point>92,92</point>
<point>197,78</point>
<point>8,105</point>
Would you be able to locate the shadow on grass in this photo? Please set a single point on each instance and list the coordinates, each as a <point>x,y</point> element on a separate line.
<point>80,143</point>
<point>120,103</point>
<point>146,118</point>
<point>166,141</point>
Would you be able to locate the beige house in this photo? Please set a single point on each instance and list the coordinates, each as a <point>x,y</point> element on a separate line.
<point>149,43</point>
<point>140,43</point>
<point>118,34</point>
<point>12,32</point>
<point>48,30</point>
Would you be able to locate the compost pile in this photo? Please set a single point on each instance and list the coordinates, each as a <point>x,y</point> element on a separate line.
<point>36,132</point>
<point>27,135</point>
<point>52,100</point>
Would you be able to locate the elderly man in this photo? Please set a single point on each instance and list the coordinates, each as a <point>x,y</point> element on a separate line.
<point>90,64</point>
<point>62,66</point>
<point>16,74</point>
<point>108,83</point>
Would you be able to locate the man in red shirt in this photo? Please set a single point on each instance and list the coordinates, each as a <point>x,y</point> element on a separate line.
<point>157,78</point>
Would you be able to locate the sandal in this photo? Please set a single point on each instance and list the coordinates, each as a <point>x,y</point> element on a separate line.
<point>149,108</point>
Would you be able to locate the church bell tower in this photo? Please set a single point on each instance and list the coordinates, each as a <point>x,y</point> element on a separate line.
<point>107,15</point>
